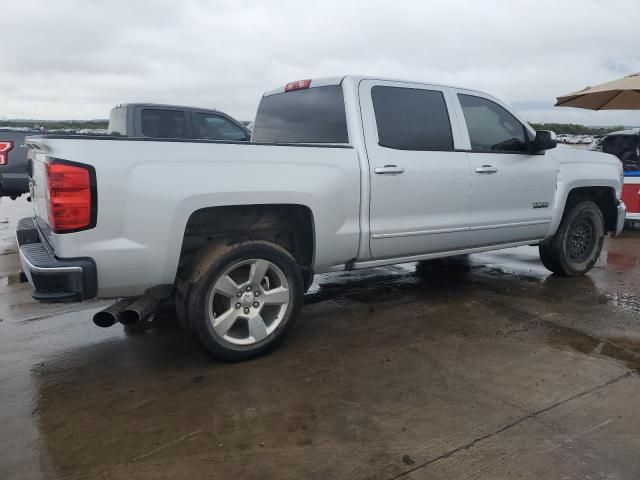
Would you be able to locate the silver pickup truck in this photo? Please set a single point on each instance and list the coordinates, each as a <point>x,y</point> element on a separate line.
<point>341,173</point>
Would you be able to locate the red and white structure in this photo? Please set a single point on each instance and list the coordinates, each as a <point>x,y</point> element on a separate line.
<point>631,195</point>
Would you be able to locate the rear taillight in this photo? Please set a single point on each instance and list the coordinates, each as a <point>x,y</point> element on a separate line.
<point>297,85</point>
<point>5,148</point>
<point>70,196</point>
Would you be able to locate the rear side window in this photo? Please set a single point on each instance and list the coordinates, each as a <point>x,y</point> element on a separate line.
<point>412,119</point>
<point>118,121</point>
<point>491,127</point>
<point>158,123</point>
<point>217,127</point>
<point>312,115</point>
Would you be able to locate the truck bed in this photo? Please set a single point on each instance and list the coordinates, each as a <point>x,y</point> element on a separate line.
<point>147,189</point>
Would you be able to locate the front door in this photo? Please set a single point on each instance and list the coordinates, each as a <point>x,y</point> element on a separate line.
<point>420,186</point>
<point>513,189</point>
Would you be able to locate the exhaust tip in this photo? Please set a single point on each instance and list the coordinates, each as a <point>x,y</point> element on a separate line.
<point>128,317</point>
<point>104,319</point>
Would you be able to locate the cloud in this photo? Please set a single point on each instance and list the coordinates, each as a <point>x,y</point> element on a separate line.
<point>76,59</point>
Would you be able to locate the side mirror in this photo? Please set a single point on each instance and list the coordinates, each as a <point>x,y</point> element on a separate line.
<point>545,140</point>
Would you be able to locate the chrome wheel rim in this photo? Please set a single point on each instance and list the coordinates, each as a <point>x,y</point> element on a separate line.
<point>247,302</point>
<point>580,240</point>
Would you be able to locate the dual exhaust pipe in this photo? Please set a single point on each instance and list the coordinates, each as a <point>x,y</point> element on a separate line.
<point>129,311</point>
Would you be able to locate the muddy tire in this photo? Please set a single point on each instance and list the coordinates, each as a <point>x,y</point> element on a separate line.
<point>577,244</point>
<point>240,300</point>
<point>181,296</point>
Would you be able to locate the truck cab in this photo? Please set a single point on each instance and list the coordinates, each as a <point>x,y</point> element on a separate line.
<point>151,120</point>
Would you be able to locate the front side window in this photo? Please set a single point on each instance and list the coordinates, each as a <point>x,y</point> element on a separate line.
<point>158,123</point>
<point>411,119</point>
<point>491,127</point>
<point>217,127</point>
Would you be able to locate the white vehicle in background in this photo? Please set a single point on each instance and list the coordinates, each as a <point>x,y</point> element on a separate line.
<point>596,144</point>
<point>341,174</point>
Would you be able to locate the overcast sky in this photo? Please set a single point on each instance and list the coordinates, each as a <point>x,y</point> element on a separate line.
<point>68,59</point>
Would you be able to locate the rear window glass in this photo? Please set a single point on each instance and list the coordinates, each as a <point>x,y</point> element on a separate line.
<point>412,119</point>
<point>118,121</point>
<point>312,115</point>
<point>158,123</point>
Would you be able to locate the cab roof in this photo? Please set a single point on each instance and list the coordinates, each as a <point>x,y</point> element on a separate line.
<point>166,105</point>
<point>338,80</point>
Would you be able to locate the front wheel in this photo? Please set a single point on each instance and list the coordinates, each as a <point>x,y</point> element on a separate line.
<point>243,298</point>
<point>577,244</point>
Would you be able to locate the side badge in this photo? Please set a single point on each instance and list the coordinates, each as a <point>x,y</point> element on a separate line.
<point>540,204</point>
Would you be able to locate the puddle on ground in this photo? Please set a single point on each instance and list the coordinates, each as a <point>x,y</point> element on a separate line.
<point>623,350</point>
<point>626,301</point>
<point>10,280</point>
<point>622,261</point>
<point>386,284</point>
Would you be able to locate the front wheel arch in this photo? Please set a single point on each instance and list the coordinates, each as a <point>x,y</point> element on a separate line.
<point>603,196</point>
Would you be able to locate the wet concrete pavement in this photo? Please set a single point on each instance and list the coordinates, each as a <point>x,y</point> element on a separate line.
<point>489,369</point>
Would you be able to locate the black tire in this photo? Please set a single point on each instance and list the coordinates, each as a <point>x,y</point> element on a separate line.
<point>576,246</point>
<point>192,296</point>
<point>181,296</point>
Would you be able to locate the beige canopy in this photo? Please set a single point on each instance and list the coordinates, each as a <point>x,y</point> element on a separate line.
<point>621,94</point>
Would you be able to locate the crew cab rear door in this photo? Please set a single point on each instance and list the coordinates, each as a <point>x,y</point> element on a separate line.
<point>513,189</point>
<point>420,186</point>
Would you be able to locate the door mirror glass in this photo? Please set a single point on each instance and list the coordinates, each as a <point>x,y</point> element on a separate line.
<point>545,140</point>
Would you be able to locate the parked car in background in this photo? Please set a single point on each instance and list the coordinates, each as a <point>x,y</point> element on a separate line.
<point>14,180</point>
<point>149,120</point>
<point>342,173</point>
<point>624,145</point>
<point>596,145</point>
<point>140,120</point>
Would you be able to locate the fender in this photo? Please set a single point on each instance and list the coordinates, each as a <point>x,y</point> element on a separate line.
<point>582,175</point>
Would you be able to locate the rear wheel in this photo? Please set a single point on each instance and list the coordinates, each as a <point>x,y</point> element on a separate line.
<point>577,244</point>
<point>240,300</point>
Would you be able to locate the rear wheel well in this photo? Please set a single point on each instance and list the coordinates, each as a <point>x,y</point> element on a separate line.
<point>604,197</point>
<point>290,226</point>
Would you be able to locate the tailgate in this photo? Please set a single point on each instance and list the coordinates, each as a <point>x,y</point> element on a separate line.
<point>36,168</point>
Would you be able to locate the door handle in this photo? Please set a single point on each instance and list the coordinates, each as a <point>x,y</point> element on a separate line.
<point>389,170</point>
<point>486,169</point>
